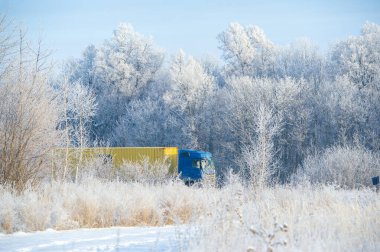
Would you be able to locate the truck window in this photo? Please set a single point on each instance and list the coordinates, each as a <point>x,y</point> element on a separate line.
<point>203,164</point>
<point>196,163</point>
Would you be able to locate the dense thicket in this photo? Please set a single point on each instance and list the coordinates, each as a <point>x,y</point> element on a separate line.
<point>262,110</point>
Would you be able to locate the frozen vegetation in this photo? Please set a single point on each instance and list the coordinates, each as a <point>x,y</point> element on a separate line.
<point>235,217</point>
<point>294,133</point>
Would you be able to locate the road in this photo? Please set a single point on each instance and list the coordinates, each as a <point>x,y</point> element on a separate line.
<point>97,239</point>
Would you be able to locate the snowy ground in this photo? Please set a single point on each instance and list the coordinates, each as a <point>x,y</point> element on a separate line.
<point>102,239</point>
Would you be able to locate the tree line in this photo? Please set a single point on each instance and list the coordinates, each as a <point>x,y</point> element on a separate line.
<point>263,110</point>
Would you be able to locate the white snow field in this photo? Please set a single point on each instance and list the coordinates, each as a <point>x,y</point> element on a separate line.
<point>166,238</point>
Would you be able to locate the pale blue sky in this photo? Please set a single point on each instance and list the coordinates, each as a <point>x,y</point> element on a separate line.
<point>68,26</point>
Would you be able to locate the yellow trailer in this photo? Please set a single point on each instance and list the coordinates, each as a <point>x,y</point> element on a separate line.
<point>119,155</point>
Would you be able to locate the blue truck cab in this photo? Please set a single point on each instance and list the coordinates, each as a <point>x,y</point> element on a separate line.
<point>195,166</point>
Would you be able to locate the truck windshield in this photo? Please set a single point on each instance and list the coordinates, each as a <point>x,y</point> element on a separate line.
<point>207,165</point>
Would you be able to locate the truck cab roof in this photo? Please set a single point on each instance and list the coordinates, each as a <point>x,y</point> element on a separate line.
<point>195,153</point>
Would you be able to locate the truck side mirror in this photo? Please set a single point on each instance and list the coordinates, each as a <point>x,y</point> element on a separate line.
<point>375,181</point>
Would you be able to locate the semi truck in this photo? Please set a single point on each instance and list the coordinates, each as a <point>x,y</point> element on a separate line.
<point>190,165</point>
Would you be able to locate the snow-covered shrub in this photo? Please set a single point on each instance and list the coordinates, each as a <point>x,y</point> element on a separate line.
<point>282,218</point>
<point>144,171</point>
<point>7,210</point>
<point>345,166</point>
<point>99,167</point>
<point>96,203</point>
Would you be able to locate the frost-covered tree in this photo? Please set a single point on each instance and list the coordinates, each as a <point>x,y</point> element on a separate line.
<point>82,107</point>
<point>213,67</point>
<point>247,51</point>
<point>84,69</point>
<point>8,46</point>
<point>146,123</point>
<point>189,96</point>
<point>28,115</point>
<point>78,107</point>
<point>126,64</point>
<point>300,60</point>
<point>359,56</point>
<point>241,100</point>
<point>119,71</point>
<point>258,159</point>
<point>128,61</point>
<point>347,112</point>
